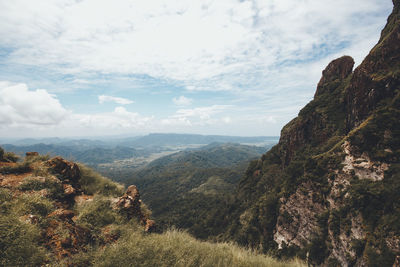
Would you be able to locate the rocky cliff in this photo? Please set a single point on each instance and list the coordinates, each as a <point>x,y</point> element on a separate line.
<point>329,191</point>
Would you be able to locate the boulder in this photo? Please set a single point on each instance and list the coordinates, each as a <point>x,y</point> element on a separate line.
<point>32,154</point>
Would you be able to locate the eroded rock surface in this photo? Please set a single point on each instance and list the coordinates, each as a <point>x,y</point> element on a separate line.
<point>130,205</point>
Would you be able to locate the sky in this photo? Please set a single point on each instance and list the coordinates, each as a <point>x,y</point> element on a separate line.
<point>71,68</point>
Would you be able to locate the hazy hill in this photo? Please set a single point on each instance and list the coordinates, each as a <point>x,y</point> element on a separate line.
<point>88,154</point>
<point>213,155</point>
<point>109,150</point>
<point>157,140</point>
<point>330,188</point>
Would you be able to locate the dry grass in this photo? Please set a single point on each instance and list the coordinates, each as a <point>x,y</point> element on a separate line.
<point>177,248</point>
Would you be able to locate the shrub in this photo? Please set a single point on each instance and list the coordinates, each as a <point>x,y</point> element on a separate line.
<point>37,158</point>
<point>54,187</point>
<point>92,182</point>
<point>19,243</point>
<point>19,168</point>
<point>33,204</point>
<point>1,153</point>
<point>10,157</point>
<point>5,195</point>
<point>97,213</point>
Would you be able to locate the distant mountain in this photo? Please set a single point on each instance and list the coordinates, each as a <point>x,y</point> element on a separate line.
<point>184,188</point>
<point>79,152</point>
<point>210,156</point>
<point>55,141</point>
<point>42,148</point>
<point>160,139</point>
<point>108,150</point>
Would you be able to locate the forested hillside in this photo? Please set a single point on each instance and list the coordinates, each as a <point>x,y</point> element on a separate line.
<point>188,189</point>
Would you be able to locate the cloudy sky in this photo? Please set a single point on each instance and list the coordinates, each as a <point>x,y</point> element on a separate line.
<point>98,67</point>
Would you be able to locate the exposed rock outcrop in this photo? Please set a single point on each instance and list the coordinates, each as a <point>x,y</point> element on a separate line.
<point>130,205</point>
<point>67,171</point>
<point>63,236</point>
<point>338,70</point>
<point>377,76</point>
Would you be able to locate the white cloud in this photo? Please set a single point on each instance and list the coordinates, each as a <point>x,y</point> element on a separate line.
<point>195,116</point>
<point>120,118</point>
<point>182,101</point>
<point>20,106</point>
<point>209,45</point>
<point>118,100</point>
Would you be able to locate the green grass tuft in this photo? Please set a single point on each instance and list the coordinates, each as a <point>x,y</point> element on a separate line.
<point>92,183</point>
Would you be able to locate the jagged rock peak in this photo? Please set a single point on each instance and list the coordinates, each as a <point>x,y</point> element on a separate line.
<point>338,69</point>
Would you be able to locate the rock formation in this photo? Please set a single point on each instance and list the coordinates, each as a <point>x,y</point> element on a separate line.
<point>130,205</point>
<point>329,189</point>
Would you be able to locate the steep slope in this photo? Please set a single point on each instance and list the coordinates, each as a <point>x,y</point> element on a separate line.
<point>329,190</point>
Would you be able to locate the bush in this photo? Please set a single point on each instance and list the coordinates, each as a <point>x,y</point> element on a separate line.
<point>19,168</point>
<point>92,182</point>
<point>32,159</point>
<point>5,195</point>
<point>1,153</point>
<point>54,187</point>
<point>33,204</point>
<point>97,213</point>
<point>10,157</point>
<point>19,243</point>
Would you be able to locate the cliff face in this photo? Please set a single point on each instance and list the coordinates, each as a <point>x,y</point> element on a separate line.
<point>329,191</point>
<point>377,77</point>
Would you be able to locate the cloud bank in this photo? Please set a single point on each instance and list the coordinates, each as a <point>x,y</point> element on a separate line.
<point>207,45</point>
<point>21,106</point>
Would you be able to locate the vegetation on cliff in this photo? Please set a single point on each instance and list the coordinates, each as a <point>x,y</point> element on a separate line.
<point>329,189</point>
